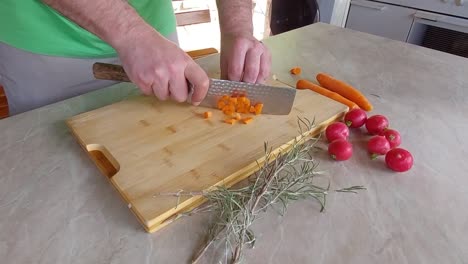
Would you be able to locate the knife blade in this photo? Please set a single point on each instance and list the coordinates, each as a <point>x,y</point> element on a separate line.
<point>276,100</point>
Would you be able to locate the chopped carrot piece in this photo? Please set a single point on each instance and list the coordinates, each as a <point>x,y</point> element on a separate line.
<point>258,108</point>
<point>221,104</point>
<point>230,121</point>
<point>228,112</point>
<point>233,100</point>
<point>225,97</point>
<point>247,120</point>
<point>207,114</point>
<point>252,109</point>
<point>296,70</point>
<point>247,101</point>
<point>225,108</point>
<point>237,116</point>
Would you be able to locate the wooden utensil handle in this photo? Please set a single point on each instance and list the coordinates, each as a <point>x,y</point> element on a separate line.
<point>106,71</point>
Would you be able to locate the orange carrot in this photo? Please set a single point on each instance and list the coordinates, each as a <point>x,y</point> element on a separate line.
<point>232,106</point>
<point>296,70</point>
<point>207,114</point>
<point>345,90</point>
<point>221,104</point>
<point>258,108</point>
<point>304,84</point>
<point>247,120</point>
<point>230,121</point>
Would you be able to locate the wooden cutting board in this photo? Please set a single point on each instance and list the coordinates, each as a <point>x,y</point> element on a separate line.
<point>145,147</point>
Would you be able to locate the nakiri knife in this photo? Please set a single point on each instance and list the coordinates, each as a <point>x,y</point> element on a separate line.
<point>276,100</point>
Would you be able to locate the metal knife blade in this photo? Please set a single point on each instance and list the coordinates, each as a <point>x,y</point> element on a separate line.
<point>276,100</point>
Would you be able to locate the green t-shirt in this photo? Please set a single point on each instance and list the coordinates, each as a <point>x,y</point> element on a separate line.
<point>35,27</point>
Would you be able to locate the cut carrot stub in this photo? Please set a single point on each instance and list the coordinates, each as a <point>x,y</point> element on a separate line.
<point>345,90</point>
<point>230,121</point>
<point>252,109</point>
<point>207,114</point>
<point>296,70</point>
<point>305,84</point>
<point>247,120</point>
<point>237,116</point>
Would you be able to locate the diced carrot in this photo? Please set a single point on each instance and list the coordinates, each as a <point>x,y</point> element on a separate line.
<point>228,112</point>
<point>252,109</point>
<point>221,104</point>
<point>237,116</point>
<point>247,120</point>
<point>225,97</point>
<point>296,70</point>
<point>207,114</point>
<point>233,100</point>
<point>230,121</point>
<point>226,108</point>
<point>247,101</point>
<point>258,108</point>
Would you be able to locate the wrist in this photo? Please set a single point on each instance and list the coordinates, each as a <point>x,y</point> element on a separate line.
<point>236,34</point>
<point>131,32</point>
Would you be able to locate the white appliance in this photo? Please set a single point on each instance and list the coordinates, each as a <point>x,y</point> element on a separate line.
<point>436,24</point>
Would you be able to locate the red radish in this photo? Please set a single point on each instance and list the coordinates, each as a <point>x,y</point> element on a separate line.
<point>355,118</point>
<point>337,130</point>
<point>393,137</point>
<point>399,160</point>
<point>378,145</point>
<point>376,124</point>
<point>340,149</point>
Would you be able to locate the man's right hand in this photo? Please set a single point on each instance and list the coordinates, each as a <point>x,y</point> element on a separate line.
<point>158,66</point>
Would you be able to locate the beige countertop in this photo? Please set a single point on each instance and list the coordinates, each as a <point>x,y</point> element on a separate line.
<point>55,207</point>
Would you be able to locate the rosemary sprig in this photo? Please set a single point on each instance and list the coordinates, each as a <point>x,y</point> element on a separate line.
<point>285,176</point>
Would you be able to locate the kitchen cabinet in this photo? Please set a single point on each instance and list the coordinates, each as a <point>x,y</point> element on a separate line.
<point>450,7</point>
<point>380,19</point>
<point>413,24</point>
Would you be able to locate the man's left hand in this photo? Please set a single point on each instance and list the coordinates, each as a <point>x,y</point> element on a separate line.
<point>244,58</point>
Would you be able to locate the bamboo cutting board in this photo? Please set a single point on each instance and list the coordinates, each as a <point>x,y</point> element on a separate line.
<point>145,147</point>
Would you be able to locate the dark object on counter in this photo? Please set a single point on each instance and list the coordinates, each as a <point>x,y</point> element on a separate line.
<point>446,40</point>
<point>287,15</point>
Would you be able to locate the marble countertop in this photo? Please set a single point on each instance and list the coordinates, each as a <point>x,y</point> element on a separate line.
<point>55,206</point>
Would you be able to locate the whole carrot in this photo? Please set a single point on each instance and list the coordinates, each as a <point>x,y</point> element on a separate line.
<point>345,90</point>
<point>304,84</point>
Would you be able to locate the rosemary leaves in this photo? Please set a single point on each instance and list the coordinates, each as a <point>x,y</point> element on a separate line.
<point>287,176</point>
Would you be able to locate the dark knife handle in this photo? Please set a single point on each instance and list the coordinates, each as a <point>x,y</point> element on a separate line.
<point>113,72</point>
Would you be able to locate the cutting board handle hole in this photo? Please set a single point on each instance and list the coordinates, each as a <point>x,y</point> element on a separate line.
<point>106,163</point>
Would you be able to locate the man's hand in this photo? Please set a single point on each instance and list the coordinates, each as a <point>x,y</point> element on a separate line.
<point>157,66</point>
<point>244,58</point>
<point>154,64</point>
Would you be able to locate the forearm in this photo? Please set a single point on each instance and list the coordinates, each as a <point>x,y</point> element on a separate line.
<point>111,20</point>
<point>235,16</point>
